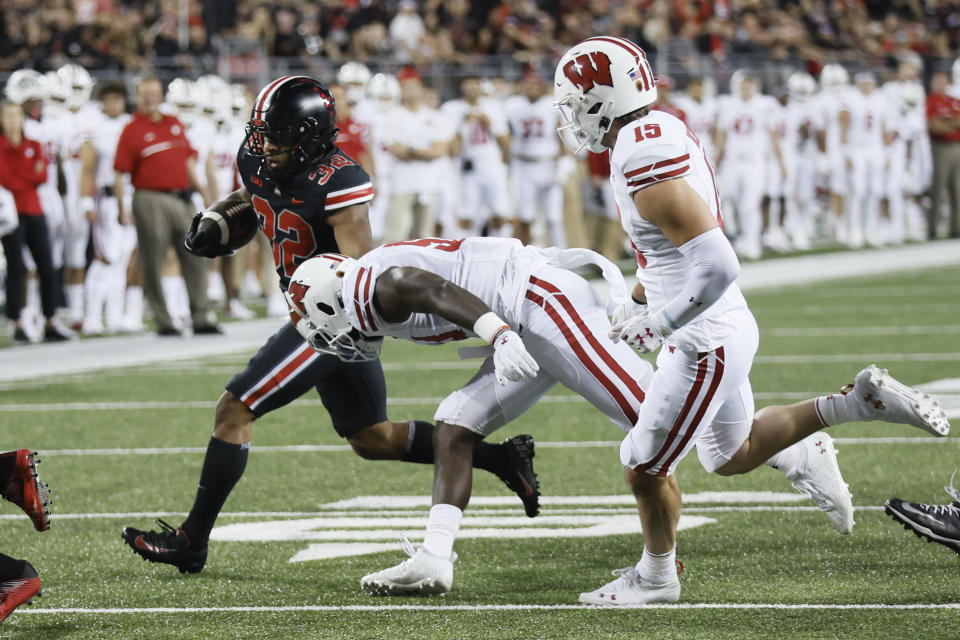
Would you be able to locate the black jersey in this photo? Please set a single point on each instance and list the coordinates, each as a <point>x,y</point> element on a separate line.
<point>294,216</point>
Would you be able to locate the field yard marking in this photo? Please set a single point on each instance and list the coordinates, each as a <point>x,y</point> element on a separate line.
<point>911,330</point>
<point>545,444</point>
<point>818,309</point>
<point>372,608</point>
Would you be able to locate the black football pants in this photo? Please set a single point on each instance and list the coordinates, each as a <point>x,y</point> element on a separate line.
<point>31,233</point>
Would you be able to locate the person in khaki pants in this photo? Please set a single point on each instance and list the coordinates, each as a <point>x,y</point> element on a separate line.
<point>154,150</point>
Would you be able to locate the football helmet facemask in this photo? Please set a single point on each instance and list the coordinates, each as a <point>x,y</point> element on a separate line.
<point>296,114</point>
<point>316,309</point>
<point>596,81</point>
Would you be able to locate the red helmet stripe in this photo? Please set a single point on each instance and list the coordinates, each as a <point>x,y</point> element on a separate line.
<point>646,74</point>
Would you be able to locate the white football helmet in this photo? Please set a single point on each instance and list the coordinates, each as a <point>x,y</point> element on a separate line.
<point>384,90</point>
<point>801,86</point>
<point>596,81</point>
<point>211,91</point>
<point>57,92</point>
<point>185,97</point>
<point>354,77</point>
<point>24,85</point>
<point>78,84</point>
<point>316,309</point>
<point>911,96</point>
<point>834,78</point>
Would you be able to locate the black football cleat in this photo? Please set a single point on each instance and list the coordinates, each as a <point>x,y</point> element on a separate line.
<point>518,475</point>
<point>17,591</point>
<point>24,487</point>
<point>935,522</point>
<point>168,546</point>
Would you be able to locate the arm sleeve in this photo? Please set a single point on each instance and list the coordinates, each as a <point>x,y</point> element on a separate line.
<point>714,267</point>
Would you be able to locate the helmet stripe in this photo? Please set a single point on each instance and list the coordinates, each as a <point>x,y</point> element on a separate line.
<point>646,73</point>
<point>270,89</point>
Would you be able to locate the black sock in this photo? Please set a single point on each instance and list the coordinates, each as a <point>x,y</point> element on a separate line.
<point>11,568</point>
<point>489,457</point>
<point>419,442</point>
<point>486,456</point>
<point>222,467</point>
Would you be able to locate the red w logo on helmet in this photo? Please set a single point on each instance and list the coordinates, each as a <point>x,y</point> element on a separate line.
<point>296,292</point>
<point>588,70</point>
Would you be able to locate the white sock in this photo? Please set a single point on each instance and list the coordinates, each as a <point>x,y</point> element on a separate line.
<point>74,295</point>
<point>133,305</point>
<point>114,285</point>
<point>442,528</point>
<point>95,292</point>
<point>838,408</point>
<point>32,305</point>
<point>789,460</point>
<point>658,568</point>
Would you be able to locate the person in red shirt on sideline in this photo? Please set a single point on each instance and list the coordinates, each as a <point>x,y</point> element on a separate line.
<point>943,116</point>
<point>354,136</point>
<point>154,150</point>
<point>23,167</point>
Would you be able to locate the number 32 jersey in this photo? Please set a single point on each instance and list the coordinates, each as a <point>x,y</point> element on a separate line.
<point>294,216</point>
<point>652,149</point>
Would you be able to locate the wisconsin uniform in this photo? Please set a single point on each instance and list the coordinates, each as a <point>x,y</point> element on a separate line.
<point>560,317</point>
<point>294,219</point>
<point>700,393</point>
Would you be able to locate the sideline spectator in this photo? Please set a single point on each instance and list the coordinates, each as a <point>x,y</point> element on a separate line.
<point>943,114</point>
<point>154,150</point>
<point>23,167</point>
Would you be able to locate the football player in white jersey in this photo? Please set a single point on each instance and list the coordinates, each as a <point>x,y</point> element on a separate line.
<point>383,92</point>
<point>483,143</point>
<point>866,142</point>
<point>80,113</point>
<point>777,182</point>
<point>534,150</point>
<point>801,190</point>
<point>687,300</point>
<point>834,121</point>
<point>434,290</point>
<point>113,238</point>
<point>701,111</point>
<point>744,133</point>
<point>908,153</point>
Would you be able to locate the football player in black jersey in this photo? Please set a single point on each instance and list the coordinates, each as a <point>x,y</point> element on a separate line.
<point>308,198</point>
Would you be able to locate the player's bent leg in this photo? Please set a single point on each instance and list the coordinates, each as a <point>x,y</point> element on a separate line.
<point>19,583</point>
<point>382,441</point>
<point>234,420</point>
<point>22,486</point>
<point>659,504</point>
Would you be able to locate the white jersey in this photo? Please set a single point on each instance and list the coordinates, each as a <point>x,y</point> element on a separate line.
<point>478,139</point>
<point>867,121</point>
<point>701,117</point>
<point>747,126</point>
<point>475,264</point>
<point>829,105</point>
<point>533,128</point>
<point>229,136</point>
<point>418,129</point>
<point>652,149</point>
<point>105,138</point>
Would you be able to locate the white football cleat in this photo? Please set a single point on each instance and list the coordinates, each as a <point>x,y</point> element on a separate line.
<point>423,574</point>
<point>630,589</point>
<point>883,397</point>
<point>819,477</point>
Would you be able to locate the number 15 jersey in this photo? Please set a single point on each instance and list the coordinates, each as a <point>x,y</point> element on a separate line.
<point>294,215</point>
<point>652,149</point>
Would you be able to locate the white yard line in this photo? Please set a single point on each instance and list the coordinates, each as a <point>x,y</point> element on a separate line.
<point>485,607</point>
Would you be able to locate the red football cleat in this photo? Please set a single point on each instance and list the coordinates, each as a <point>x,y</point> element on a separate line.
<point>17,591</point>
<point>24,487</point>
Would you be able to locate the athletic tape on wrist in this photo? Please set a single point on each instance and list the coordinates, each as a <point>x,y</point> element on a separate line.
<point>489,326</point>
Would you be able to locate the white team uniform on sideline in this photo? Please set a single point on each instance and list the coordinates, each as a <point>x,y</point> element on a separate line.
<point>77,128</point>
<point>778,120</point>
<point>700,393</point>
<point>534,148</point>
<point>745,164</point>
<point>47,132</point>
<point>701,117</point>
<point>866,150</point>
<point>202,135</point>
<point>560,317</point>
<point>828,107</point>
<point>800,153</point>
<point>376,117</point>
<point>483,176</point>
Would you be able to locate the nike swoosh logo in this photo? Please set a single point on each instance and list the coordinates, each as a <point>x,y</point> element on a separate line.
<point>295,201</point>
<point>140,543</point>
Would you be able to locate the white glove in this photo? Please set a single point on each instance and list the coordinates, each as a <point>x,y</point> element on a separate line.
<point>626,310</point>
<point>511,360</point>
<point>642,331</point>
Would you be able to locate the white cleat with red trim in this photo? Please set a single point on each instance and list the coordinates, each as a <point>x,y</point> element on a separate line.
<point>422,574</point>
<point>819,477</point>
<point>630,589</point>
<point>883,397</point>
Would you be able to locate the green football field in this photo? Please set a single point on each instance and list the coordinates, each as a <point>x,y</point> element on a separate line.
<point>310,518</point>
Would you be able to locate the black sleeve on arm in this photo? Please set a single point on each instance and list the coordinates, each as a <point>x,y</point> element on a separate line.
<point>400,291</point>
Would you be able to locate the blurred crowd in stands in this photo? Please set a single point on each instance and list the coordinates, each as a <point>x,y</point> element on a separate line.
<point>130,34</point>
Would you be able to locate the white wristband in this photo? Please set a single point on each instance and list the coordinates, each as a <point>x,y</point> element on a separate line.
<point>87,204</point>
<point>489,326</point>
<point>217,217</point>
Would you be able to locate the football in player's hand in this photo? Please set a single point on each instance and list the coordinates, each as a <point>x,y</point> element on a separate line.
<point>221,230</point>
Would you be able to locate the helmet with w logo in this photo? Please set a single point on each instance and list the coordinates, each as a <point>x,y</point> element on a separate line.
<point>298,115</point>
<point>596,81</point>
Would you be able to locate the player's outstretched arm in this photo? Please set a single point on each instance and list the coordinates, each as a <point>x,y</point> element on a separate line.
<point>401,291</point>
<point>684,218</point>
